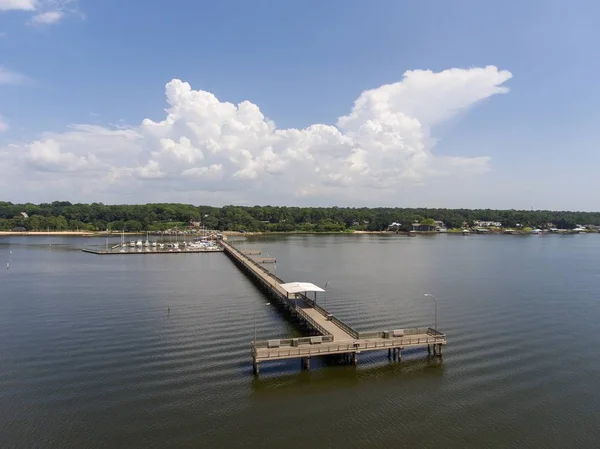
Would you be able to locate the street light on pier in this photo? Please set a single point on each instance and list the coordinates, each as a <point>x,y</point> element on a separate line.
<point>435,302</point>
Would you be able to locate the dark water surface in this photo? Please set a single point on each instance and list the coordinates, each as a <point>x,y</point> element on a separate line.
<point>90,357</point>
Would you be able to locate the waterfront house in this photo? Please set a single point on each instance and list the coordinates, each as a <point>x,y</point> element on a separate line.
<point>421,227</point>
<point>394,227</point>
<point>487,224</point>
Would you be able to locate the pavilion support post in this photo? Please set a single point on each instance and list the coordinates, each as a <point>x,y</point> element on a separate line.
<point>355,359</point>
<point>428,349</point>
<point>389,353</point>
<point>440,350</point>
<point>255,369</point>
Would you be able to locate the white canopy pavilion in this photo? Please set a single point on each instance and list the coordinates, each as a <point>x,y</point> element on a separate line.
<point>301,287</point>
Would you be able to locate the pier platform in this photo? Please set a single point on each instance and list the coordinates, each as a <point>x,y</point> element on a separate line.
<point>331,336</point>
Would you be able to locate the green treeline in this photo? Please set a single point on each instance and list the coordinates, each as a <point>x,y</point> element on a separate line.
<point>62,215</point>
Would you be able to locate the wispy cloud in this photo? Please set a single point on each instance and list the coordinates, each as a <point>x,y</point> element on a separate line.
<point>45,12</point>
<point>10,77</point>
<point>3,125</point>
<point>47,18</point>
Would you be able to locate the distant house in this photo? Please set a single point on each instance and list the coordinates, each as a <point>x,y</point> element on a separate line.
<point>487,224</point>
<point>440,226</point>
<point>194,224</point>
<point>394,226</point>
<point>420,227</point>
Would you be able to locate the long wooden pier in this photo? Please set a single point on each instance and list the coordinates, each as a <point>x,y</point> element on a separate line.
<point>332,337</point>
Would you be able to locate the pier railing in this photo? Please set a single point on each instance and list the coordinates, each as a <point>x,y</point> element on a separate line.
<point>300,341</point>
<point>239,255</point>
<point>312,322</point>
<point>411,331</point>
<point>339,323</point>
<point>311,346</point>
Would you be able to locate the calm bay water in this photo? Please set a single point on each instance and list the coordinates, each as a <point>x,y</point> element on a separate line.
<point>90,356</point>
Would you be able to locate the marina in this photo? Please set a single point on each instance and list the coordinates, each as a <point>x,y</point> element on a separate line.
<point>148,251</point>
<point>330,336</point>
<point>139,247</point>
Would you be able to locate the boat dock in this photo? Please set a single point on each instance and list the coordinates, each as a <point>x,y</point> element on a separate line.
<point>264,259</point>
<point>252,252</point>
<point>150,251</point>
<point>331,336</point>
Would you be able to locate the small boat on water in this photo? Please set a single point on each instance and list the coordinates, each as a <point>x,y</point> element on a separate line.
<point>466,232</point>
<point>132,243</point>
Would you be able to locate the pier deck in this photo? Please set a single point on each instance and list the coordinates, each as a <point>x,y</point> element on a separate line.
<point>333,336</point>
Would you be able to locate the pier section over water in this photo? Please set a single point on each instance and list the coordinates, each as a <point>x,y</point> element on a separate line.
<point>333,336</point>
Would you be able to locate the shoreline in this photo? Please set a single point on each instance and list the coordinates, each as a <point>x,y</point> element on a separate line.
<point>50,233</point>
<point>251,234</point>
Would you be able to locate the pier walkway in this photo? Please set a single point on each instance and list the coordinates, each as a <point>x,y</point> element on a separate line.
<point>331,336</point>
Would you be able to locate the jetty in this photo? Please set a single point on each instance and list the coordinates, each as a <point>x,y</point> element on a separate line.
<point>264,259</point>
<point>330,336</point>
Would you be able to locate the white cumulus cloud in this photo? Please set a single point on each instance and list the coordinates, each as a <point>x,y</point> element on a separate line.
<point>3,125</point>
<point>204,147</point>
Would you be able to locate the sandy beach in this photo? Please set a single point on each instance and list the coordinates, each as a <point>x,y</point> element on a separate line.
<point>47,233</point>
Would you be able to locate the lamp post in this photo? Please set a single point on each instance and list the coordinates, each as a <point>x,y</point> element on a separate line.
<point>266,304</point>
<point>435,302</point>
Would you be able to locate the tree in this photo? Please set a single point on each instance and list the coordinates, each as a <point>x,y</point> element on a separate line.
<point>133,226</point>
<point>61,223</point>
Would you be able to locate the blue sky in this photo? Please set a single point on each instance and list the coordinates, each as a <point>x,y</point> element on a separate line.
<point>104,66</point>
